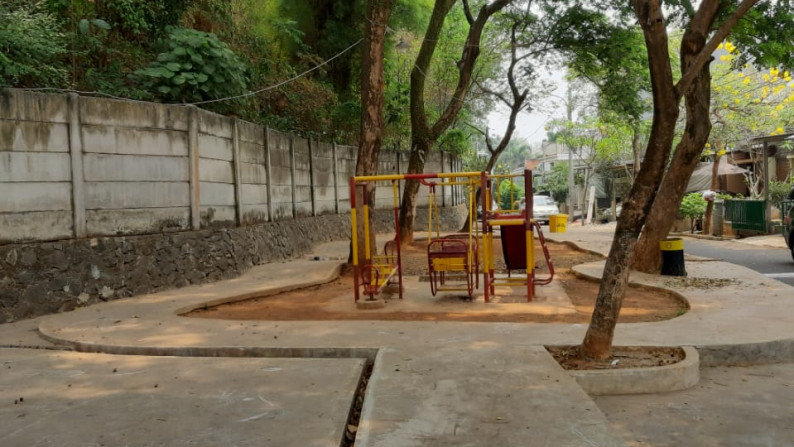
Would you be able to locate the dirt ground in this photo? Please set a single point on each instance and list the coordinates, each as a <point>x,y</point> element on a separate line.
<point>334,300</point>
<point>569,357</point>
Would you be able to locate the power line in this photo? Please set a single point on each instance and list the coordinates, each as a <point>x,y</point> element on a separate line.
<point>229,98</point>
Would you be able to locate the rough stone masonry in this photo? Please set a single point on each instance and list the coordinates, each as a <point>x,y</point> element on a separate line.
<point>46,277</point>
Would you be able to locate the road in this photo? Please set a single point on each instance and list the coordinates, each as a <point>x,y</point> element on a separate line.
<point>773,262</point>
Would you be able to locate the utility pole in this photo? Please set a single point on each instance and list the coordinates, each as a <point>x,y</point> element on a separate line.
<point>569,117</point>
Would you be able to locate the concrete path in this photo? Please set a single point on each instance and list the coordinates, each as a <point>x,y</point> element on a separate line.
<point>432,383</point>
<point>75,399</point>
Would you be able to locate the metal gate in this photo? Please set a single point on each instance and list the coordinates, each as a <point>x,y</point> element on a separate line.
<point>747,215</point>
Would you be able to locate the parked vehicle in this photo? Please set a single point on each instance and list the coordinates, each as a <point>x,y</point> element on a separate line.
<point>542,208</point>
<point>788,221</point>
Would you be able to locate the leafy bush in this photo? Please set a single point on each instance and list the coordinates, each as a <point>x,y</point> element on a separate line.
<point>557,182</point>
<point>778,191</point>
<point>30,47</point>
<point>196,66</point>
<point>693,206</point>
<point>505,188</point>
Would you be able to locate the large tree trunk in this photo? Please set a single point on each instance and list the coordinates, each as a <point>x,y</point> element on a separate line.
<point>416,165</point>
<point>647,255</point>
<point>666,96</point>
<point>636,149</point>
<point>597,342</point>
<point>372,97</point>
<point>423,135</point>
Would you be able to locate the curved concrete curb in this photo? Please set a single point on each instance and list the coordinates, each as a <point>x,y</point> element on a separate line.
<point>260,293</point>
<point>683,301</point>
<point>659,379</point>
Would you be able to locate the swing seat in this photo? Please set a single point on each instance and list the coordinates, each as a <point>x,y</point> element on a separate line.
<point>452,255</point>
<point>382,271</point>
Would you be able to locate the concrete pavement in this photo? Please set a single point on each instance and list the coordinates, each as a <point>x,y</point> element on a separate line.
<point>432,383</point>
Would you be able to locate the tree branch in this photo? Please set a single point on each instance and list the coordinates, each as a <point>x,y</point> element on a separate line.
<point>466,64</point>
<point>467,11</point>
<point>705,54</point>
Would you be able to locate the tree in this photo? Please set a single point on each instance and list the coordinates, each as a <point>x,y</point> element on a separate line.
<point>514,101</point>
<point>423,133</point>
<point>745,103</point>
<point>372,86</point>
<point>618,66</point>
<point>194,66</point>
<point>764,22</point>
<point>30,48</point>
<point>698,43</point>
<point>557,182</point>
<point>693,206</point>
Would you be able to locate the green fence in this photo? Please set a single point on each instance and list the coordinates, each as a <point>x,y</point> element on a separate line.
<point>748,215</point>
<point>786,207</point>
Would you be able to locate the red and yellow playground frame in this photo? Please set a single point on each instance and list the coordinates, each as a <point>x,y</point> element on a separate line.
<point>380,271</point>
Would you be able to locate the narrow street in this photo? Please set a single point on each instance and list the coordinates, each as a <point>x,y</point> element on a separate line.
<point>775,263</point>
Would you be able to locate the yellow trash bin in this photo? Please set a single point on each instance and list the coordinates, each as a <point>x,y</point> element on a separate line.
<point>558,223</point>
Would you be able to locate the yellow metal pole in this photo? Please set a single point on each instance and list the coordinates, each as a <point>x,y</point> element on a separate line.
<point>438,223</point>
<point>430,217</point>
<point>366,231</point>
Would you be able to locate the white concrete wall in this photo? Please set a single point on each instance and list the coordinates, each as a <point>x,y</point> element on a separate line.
<point>323,178</point>
<point>345,168</point>
<point>280,174</point>
<point>75,166</point>
<point>35,170</point>
<point>253,172</point>
<point>302,182</point>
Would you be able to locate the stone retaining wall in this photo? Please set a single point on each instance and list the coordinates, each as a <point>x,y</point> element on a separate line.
<point>47,277</point>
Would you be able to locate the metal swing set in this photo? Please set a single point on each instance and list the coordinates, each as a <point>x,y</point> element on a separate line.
<point>456,260</point>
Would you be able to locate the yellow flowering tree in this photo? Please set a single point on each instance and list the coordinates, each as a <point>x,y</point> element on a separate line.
<point>748,102</point>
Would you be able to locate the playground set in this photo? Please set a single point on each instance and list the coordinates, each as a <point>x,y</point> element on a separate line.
<point>455,261</point>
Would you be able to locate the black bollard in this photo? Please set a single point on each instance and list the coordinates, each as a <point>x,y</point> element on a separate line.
<point>673,256</point>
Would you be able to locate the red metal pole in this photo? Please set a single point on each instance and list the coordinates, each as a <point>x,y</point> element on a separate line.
<point>485,280</point>
<point>528,215</point>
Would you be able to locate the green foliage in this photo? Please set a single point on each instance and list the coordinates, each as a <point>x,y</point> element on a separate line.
<point>135,18</point>
<point>557,182</point>
<point>778,191</point>
<point>765,35</point>
<point>31,47</point>
<point>617,64</point>
<point>195,66</point>
<point>693,206</point>
<point>509,192</point>
<point>514,155</point>
<point>455,141</point>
